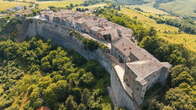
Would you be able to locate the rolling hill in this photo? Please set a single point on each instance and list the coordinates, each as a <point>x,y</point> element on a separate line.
<point>180,7</point>
<point>176,7</point>
<point>168,33</point>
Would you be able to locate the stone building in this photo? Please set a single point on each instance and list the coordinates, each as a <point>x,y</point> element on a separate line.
<point>140,70</point>
<point>122,50</point>
<point>141,75</point>
<point>96,27</point>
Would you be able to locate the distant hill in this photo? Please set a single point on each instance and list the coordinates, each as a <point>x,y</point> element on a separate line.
<point>180,7</point>
<point>136,2</point>
<point>163,1</point>
<point>132,2</point>
<point>176,7</point>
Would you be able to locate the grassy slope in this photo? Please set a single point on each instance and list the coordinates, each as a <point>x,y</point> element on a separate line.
<point>188,40</point>
<point>181,7</point>
<point>149,22</point>
<point>148,7</point>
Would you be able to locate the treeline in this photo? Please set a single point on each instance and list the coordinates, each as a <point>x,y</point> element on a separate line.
<point>93,2</point>
<point>132,2</point>
<point>164,1</point>
<point>184,25</point>
<point>179,92</point>
<point>36,74</point>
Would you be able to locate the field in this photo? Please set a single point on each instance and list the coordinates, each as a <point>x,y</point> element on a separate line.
<point>148,9</point>
<point>45,4</point>
<point>169,33</point>
<point>180,7</point>
<point>93,6</point>
<point>4,5</point>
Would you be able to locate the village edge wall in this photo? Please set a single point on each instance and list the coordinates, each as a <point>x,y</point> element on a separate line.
<point>59,34</point>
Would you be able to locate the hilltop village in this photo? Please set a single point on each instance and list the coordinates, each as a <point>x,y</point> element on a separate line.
<point>133,70</point>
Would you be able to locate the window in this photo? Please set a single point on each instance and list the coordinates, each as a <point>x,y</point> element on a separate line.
<point>121,60</point>
<point>107,37</point>
<point>126,79</point>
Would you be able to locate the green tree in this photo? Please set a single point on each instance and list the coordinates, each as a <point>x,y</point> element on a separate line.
<point>179,99</point>
<point>35,73</point>
<point>81,107</point>
<point>87,79</point>
<point>70,103</point>
<point>168,108</point>
<point>151,44</point>
<point>176,70</point>
<point>152,32</point>
<point>182,77</point>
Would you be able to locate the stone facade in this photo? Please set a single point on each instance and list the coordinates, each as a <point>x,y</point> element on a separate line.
<point>132,69</point>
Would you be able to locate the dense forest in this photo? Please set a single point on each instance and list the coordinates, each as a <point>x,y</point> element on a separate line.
<point>35,74</point>
<point>93,2</point>
<point>179,92</point>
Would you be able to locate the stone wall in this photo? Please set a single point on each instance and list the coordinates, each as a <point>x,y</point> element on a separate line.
<point>59,34</point>
<point>121,97</point>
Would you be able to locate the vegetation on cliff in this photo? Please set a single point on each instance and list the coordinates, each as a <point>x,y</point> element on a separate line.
<point>89,44</point>
<point>35,73</point>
